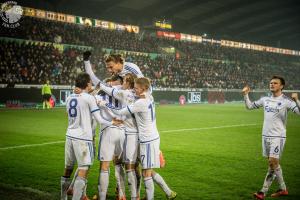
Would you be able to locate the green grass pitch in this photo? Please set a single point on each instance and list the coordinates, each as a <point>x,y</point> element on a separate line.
<point>212,152</point>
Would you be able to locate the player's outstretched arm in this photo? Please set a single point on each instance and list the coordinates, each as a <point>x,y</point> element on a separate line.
<point>95,111</point>
<point>114,92</point>
<point>128,110</point>
<point>88,67</point>
<point>100,120</point>
<point>250,105</point>
<point>122,111</point>
<point>297,101</point>
<point>246,90</point>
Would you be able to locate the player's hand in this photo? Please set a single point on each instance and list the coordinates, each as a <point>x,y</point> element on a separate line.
<point>117,122</point>
<point>295,96</point>
<point>77,90</point>
<point>101,103</point>
<point>246,90</point>
<point>87,55</point>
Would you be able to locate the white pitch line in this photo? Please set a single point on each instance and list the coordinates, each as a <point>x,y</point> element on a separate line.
<point>31,145</point>
<point>207,128</point>
<point>27,189</point>
<point>165,131</point>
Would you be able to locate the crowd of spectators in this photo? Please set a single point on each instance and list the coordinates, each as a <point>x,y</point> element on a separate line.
<point>199,65</point>
<point>48,31</point>
<point>22,63</point>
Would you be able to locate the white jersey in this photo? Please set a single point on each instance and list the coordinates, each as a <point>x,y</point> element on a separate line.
<point>275,113</point>
<point>128,68</point>
<point>131,68</point>
<point>105,113</point>
<point>126,97</point>
<point>80,108</point>
<point>144,112</point>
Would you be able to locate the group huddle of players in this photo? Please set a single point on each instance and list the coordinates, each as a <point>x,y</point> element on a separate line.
<point>124,107</point>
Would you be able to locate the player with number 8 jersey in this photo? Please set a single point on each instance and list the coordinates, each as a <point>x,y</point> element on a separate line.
<point>79,137</point>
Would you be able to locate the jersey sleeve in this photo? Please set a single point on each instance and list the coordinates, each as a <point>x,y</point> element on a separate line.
<point>94,110</point>
<point>294,106</point>
<point>128,110</point>
<point>114,92</point>
<point>253,105</point>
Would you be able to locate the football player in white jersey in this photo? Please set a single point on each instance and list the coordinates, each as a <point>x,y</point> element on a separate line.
<point>127,96</point>
<point>105,152</point>
<point>115,65</point>
<point>79,136</point>
<point>276,108</point>
<point>110,143</point>
<point>110,146</point>
<point>144,111</point>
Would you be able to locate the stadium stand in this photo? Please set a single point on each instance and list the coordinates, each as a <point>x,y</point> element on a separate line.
<point>199,65</point>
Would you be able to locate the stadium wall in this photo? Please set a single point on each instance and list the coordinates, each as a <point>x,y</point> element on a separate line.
<point>31,95</point>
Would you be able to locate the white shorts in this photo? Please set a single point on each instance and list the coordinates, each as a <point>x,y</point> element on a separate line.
<point>111,143</point>
<point>79,151</point>
<point>273,146</point>
<point>149,154</point>
<point>130,152</point>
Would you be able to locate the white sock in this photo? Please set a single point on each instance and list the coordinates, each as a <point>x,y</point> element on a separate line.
<point>162,184</point>
<point>120,178</point>
<point>279,178</point>
<point>73,181</point>
<point>149,186</point>
<point>79,187</point>
<point>103,184</point>
<point>270,176</point>
<point>131,176</point>
<point>64,185</point>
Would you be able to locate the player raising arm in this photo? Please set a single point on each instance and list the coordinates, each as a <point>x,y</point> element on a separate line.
<point>276,108</point>
<point>115,64</point>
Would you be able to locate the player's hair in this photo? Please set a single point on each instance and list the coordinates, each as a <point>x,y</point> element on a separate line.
<point>282,81</point>
<point>117,78</point>
<point>82,80</point>
<point>143,82</point>
<point>114,78</point>
<point>129,78</point>
<point>117,58</point>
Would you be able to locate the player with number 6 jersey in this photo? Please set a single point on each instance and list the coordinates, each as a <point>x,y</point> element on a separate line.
<point>276,108</point>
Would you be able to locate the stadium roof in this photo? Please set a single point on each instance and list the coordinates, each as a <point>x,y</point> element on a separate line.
<point>269,22</point>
